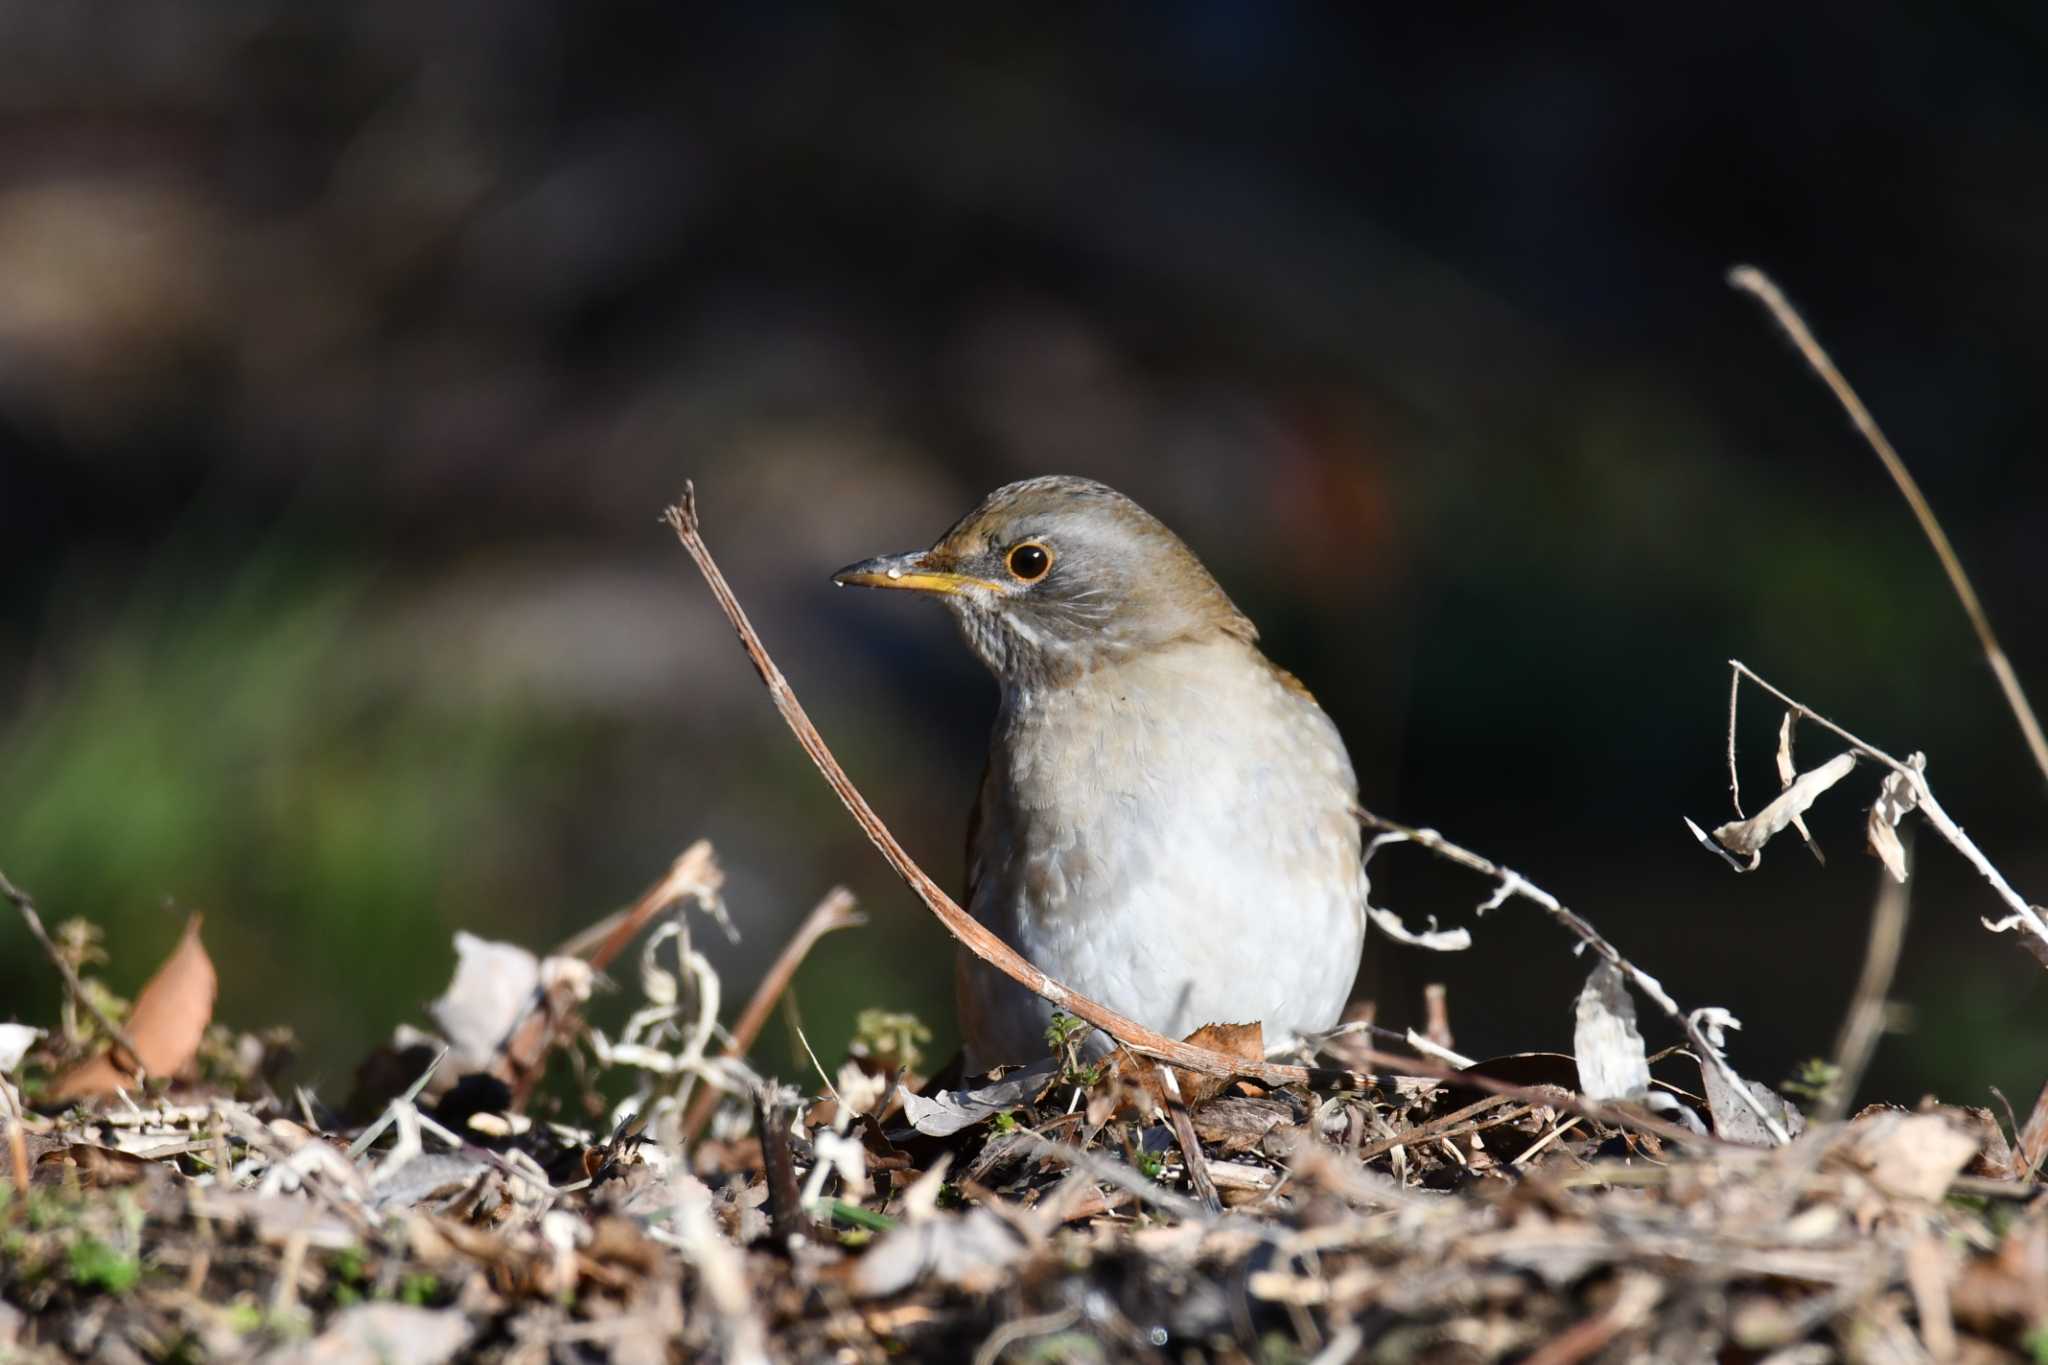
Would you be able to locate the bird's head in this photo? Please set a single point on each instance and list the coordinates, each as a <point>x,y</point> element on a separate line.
<point>1053,577</point>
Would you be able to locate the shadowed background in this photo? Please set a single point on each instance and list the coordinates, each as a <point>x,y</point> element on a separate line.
<point>348,353</point>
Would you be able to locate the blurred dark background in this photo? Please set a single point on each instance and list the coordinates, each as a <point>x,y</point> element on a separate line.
<point>348,353</point>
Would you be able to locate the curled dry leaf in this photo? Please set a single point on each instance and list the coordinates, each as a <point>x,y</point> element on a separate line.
<point>947,1112</point>
<point>1746,838</point>
<point>493,986</point>
<point>1912,1156</point>
<point>1896,799</point>
<point>167,1023</point>
<point>1608,1047</point>
<point>15,1041</point>
<point>1788,773</point>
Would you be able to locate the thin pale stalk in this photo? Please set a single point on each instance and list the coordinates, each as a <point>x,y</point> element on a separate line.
<point>1754,281</point>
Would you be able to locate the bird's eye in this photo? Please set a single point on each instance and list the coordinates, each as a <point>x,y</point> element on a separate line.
<point>1029,561</point>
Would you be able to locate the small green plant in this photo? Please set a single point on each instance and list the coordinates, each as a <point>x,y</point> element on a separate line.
<point>2035,1343</point>
<point>892,1039</point>
<point>419,1289</point>
<point>1063,1037</point>
<point>1815,1080</point>
<point>1006,1122</point>
<point>95,1265</point>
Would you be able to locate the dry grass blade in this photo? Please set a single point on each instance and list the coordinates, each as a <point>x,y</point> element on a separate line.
<point>1753,281</point>
<point>1864,1023</point>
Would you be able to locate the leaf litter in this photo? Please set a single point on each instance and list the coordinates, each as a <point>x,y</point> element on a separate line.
<point>1052,1213</point>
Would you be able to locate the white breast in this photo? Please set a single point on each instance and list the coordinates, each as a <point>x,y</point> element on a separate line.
<point>1191,859</point>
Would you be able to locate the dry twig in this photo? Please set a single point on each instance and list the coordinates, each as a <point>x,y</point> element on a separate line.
<point>1863,1025</point>
<point>1511,884</point>
<point>1911,776</point>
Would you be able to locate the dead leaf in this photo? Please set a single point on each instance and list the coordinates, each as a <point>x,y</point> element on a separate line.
<point>1612,1062</point>
<point>15,1041</point>
<point>1746,838</point>
<point>947,1112</point>
<point>1895,800</point>
<point>1245,1041</point>
<point>970,1250</point>
<point>1735,1121</point>
<point>493,986</point>
<point>167,1023</point>
<point>386,1334</point>
<point>1911,1156</point>
<point>1787,772</point>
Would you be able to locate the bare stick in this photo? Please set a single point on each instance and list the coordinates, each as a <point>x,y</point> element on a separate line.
<point>1512,883</point>
<point>1754,281</point>
<point>834,912</point>
<point>27,905</point>
<point>1191,1155</point>
<point>1864,1023</point>
<point>2023,915</point>
<point>694,873</point>
<point>1734,779</point>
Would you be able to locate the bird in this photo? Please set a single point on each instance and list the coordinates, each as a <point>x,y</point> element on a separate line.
<point>1166,822</point>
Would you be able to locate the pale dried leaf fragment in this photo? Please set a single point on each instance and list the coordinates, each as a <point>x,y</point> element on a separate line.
<point>1737,1119</point>
<point>15,1041</point>
<point>1912,1156</point>
<point>1788,772</point>
<point>1896,799</point>
<point>1613,1064</point>
<point>947,1112</point>
<point>386,1334</point>
<point>971,1251</point>
<point>167,1024</point>
<point>493,985</point>
<point>1746,838</point>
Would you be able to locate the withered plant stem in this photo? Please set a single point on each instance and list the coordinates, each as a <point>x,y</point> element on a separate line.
<point>2023,915</point>
<point>1863,1025</point>
<point>1512,883</point>
<point>1753,281</point>
<point>27,905</point>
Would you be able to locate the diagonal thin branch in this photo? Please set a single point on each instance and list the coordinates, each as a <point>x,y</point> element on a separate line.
<point>1512,883</point>
<point>1753,281</point>
<point>2022,915</point>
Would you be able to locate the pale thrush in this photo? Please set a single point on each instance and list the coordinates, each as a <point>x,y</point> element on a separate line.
<point>1165,823</point>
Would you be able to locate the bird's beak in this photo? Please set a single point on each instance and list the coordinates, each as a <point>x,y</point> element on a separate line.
<point>913,571</point>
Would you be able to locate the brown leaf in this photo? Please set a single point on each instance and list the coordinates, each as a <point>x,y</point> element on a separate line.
<point>1232,1040</point>
<point>167,1023</point>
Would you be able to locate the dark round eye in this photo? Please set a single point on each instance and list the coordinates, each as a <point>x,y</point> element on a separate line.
<point>1029,562</point>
